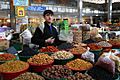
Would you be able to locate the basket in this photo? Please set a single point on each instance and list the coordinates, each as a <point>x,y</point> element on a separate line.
<point>39,68</point>
<point>12,75</point>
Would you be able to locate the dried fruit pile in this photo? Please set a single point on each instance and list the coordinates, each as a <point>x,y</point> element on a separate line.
<point>61,55</point>
<point>14,66</point>
<point>57,72</point>
<point>6,57</point>
<point>115,42</point>
<point>80,76</point>
<point>78,50</point>
<point>49,49</point>
<point>41,59</point>
<point>29,76</point>
<point>79,65</point>
<point>94,46</point>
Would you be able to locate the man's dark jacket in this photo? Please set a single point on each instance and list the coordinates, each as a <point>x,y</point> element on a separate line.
<point>39,37</point>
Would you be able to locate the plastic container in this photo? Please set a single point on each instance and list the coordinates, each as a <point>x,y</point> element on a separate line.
<point>39,68</point>
<point>12,75</point>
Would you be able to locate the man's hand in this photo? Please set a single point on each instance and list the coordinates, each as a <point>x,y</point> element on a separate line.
<point>50,40</point>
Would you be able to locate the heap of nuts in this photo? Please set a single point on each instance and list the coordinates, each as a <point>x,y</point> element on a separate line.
<point>115,42</point>
<point>78,50</point>
<point>57,72</point>
<point>61,55</point>
<point>14,66</point>
<point>79,65</point>
<point>80,76</point>
<point>41,59</point>
<point>94,46</point>
<point>29,76</point>
<point>49,49</point>
<point>104,44</point>
<point>6,57</point>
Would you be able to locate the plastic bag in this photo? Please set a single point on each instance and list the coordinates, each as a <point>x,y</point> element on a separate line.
<point>106,63</point>
<point>89,56</point>
<point>66,36</point>
<point>116,59</point>
<point>26,36</point>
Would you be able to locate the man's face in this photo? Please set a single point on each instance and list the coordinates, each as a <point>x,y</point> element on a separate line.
<point>48,18</point>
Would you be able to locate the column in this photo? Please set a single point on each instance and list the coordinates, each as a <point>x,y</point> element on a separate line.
<point>80,7</point>
<point>109,10</point>
<point>91,20</point>
<point>12,15</point>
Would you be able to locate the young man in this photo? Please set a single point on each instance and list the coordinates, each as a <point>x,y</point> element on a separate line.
<point>47,34</point>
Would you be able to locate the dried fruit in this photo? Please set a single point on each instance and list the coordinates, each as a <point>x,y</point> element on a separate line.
<point>49,49</point>
<point>79,65</point>
<point>80,76</point>
<point>6,57</point>
<point>29,76</point>
<point>57,72</point>
<point>13,66</point>
<point>78,50</point>
<point>41,59</point>
<point>61,55</point>
<point>94,46</point>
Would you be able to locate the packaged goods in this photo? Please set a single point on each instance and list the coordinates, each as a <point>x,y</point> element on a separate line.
<point>56,72</point>
<point>77,36</point>
<point>104,61</point>
<point>29,76</point>
<point>66,36</point>
<point>89,56</point>
<point>116,59</point>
